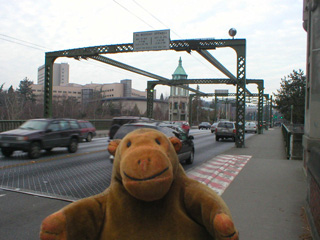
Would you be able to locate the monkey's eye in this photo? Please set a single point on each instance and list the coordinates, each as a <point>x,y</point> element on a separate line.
<point>128,143</point>
<point>158,141</point>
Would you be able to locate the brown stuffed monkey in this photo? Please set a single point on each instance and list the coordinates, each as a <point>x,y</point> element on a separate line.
<point>150,197</point>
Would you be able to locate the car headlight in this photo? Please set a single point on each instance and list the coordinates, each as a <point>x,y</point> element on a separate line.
<point>22,138</point>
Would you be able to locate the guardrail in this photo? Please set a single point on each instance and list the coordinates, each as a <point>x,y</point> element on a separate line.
<point>6,125</point>
<point>292,134</point>
<point>100,124</point>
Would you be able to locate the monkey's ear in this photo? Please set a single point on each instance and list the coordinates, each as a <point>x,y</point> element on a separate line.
<point>176,143</point>
<point>113,145</point>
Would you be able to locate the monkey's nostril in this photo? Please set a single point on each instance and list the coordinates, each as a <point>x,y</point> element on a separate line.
<point>139,162</point>
<point>149,160</point>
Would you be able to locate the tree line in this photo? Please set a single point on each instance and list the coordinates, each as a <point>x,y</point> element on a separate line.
<point>22,104</point>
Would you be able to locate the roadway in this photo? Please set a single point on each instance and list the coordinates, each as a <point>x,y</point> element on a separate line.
<point>87,172</point>
<point>26,186</point>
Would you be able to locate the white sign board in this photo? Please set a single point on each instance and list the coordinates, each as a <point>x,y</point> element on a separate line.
<point>151,40</point>
<point>222,92</point>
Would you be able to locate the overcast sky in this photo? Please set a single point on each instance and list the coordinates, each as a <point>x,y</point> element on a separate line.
<point>276,41</point>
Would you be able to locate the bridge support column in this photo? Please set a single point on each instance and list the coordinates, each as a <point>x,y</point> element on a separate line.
<point>48,73</point>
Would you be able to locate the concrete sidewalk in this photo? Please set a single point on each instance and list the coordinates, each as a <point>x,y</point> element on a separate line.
<point>267,197</point>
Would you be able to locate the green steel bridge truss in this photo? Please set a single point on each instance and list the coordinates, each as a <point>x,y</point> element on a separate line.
<point>199,45</point>
<point>260,105</point>
<point>240,125</point>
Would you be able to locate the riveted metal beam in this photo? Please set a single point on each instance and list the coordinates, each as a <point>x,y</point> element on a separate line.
<point>137,70</point>
<point>260,110</point>
<point>150,90</point>
<point>199,45</point>
<point>177,45</point>
<point>48,86</point>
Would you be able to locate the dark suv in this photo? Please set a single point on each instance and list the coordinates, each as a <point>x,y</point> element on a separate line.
<point>37,134</point>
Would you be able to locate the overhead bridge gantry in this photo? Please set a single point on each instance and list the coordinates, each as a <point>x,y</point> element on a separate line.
<point>260,95</point>
<point>260,105</point>
<point>201,46</point>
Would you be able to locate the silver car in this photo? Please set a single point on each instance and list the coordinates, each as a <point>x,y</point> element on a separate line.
<point>251,127</point>
<point>226,130</point>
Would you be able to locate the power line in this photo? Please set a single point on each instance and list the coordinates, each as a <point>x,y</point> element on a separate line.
<point>152,15</point>
<point>211,69</point>
<point>133,14</point>
<point>22,44</point>
<point>21,41</point>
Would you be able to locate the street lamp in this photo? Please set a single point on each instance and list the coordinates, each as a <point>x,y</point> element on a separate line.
<point>232,32</point>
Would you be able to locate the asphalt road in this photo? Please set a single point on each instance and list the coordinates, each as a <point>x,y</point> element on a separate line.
<point>31,190</point>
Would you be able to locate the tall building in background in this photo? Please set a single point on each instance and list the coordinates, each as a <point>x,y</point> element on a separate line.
<point>60,74</point>
<point>178,100</point>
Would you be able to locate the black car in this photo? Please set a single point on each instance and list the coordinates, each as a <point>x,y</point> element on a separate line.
<point>204,125</point>
<point>117,122</point>
<point>37,134</point>
<point>185,154</point>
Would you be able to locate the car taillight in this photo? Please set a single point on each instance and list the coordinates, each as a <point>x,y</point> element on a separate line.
<point>234,130</point>
<point>216,130</point>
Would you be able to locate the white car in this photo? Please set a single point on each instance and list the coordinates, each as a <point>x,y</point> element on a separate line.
<point>251,127</point>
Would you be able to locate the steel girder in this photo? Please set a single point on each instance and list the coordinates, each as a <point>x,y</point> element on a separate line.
<point>177,45</point>
<point>239,45</point>
<point>48,86</point>
<point>260,119</point>
<point>260,111</point>
<point>240,116</point>
<point>136,70</point>
<point>206,95</point>
<point>150,89</point>
<point>271,114</point>
<point>86,52</point>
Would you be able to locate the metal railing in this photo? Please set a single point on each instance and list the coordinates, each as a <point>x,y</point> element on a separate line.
<point>6,125</point>
<point>100,124</point>
<point>292,134</point>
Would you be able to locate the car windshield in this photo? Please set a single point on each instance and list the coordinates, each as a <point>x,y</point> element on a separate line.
<point>226,125</point>
<point>125,129</point>
<point>34,125</point>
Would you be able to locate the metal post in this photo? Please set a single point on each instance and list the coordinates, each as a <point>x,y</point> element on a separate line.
<point>241,95</point>
<point>190,108</point>
<point>260,109</point>
<point>150,90</point>
<point>271,115</point>
<point>215,108</point>
<point>48,73</point>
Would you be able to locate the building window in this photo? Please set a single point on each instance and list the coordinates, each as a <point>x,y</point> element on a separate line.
<point>175,105</point>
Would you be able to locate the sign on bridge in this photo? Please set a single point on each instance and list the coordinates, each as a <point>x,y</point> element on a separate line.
<point>151,40</point>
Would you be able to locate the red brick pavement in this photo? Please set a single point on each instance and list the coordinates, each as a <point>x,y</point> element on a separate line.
<point>220,171</point>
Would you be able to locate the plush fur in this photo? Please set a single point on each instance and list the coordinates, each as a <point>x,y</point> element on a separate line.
<point>150,197</point>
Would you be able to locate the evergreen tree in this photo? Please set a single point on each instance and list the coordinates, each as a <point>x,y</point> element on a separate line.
<point>25,90</point>
<point>292,93</point>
